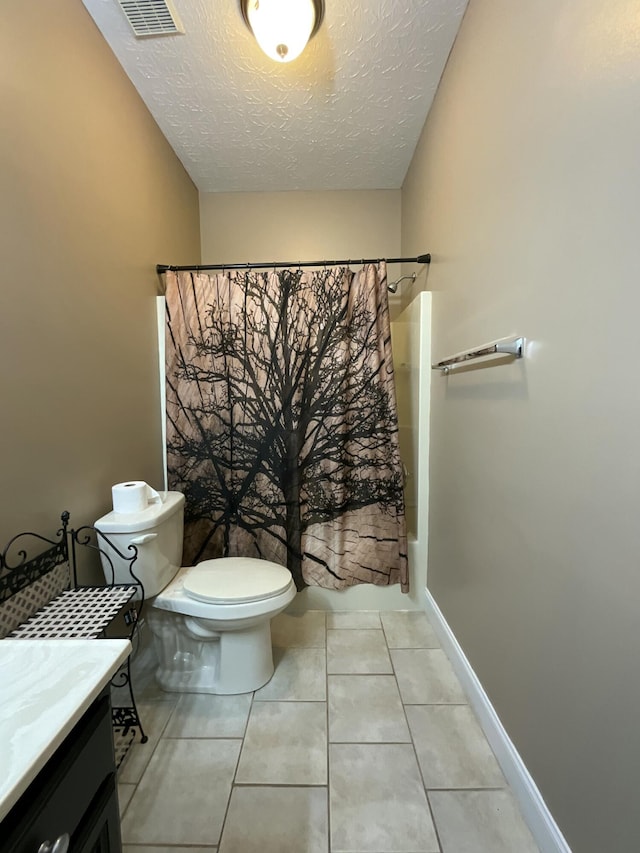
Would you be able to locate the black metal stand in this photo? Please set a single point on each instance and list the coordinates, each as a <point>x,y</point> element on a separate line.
<point>40,598</point>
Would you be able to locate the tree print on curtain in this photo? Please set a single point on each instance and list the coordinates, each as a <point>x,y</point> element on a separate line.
<point>282,425</point>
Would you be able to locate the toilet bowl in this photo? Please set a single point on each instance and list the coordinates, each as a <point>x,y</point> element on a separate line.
<point>212,625</point>
<point>210,622</point>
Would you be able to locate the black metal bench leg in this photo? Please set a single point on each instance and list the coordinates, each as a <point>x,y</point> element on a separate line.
<point>128,716</point>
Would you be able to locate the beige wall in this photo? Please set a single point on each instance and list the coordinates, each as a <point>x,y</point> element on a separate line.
<point>92,197</point>
<point>526,185</point>
<point>299,226</point>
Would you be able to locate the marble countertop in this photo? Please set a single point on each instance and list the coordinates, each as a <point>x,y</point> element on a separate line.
<point>45,688</point>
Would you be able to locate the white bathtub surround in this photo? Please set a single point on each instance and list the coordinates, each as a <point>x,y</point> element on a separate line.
<point>47,685</point>
<point>364,596</point>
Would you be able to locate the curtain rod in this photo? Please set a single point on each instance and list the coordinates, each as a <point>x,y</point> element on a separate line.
<point>419,259</point>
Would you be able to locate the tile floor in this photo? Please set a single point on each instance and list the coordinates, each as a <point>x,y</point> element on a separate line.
<point>362,742</point>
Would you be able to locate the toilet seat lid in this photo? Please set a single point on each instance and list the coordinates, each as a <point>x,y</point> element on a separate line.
<point>232,580</point>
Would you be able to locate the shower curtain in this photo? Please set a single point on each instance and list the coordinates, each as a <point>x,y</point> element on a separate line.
<point>282,427</point>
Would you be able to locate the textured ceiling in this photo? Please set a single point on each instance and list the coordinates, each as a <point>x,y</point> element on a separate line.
<point>346,115</point>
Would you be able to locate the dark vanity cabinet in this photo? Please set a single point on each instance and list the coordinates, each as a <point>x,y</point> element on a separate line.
<point>72,804</point>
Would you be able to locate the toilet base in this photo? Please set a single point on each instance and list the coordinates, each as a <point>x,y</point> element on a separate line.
<point>194,657</point>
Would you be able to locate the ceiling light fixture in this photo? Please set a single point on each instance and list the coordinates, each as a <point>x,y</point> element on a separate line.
<point>282,28</point>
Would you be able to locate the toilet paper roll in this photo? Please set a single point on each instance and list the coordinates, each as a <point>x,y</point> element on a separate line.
<point>134,496</point>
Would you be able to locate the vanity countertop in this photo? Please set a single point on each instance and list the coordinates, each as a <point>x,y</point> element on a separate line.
<point>45,688</point>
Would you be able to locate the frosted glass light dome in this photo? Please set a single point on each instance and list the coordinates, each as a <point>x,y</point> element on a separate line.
<point>282,28</point>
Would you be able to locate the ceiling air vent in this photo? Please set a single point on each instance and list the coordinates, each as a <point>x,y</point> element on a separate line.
<point>152,17</point>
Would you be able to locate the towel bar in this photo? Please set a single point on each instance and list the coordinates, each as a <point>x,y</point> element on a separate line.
<point>506,346</point>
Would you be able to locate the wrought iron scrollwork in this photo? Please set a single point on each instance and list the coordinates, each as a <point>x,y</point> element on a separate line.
<point>18,570</point>
<point>90,537</point>
<point>124,718</point>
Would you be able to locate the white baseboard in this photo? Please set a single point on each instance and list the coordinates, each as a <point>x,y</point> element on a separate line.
<point>539,819</point>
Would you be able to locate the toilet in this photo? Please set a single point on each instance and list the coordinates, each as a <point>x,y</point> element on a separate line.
<point>211,622</point>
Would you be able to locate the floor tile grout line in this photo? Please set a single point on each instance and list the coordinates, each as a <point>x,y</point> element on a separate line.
<point>415,755</point>
<point>194,847</point>
<point>359,673</point>
<point>279,785</point>
<point>237,785</point>
<point>124,810</point>
<point>235,771</point>
<point>326,679</point>
<point>369,742</point>
<point>462,790</point>
<point>135,784</point>
<point>357,628</point>
<point>405,702</point>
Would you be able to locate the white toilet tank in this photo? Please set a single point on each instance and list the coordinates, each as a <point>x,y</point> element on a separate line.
<point>157,534</point>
